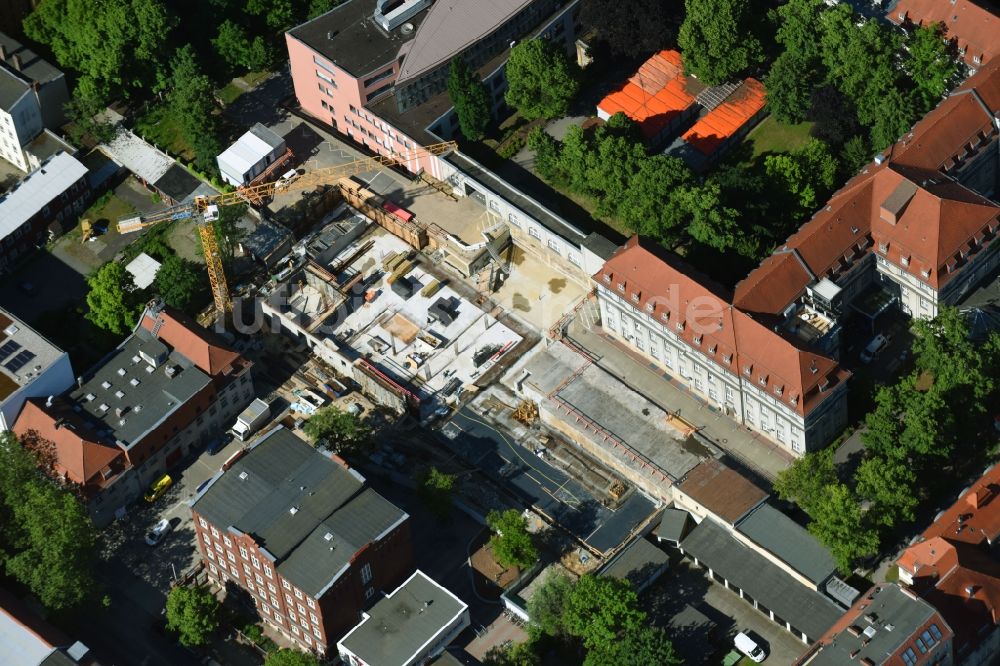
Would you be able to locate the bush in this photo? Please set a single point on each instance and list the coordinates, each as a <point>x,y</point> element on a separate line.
<point>511,147</point>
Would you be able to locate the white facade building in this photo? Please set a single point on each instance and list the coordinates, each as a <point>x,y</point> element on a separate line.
<point>30,367</point>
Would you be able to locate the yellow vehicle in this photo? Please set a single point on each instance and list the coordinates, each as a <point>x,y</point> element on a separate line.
<point>157,489</point>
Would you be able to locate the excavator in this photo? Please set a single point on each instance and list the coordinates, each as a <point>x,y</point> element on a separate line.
<point>205,209</point>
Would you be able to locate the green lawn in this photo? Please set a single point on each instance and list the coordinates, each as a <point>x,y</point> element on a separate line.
<point>230,93</point>
<point>159,127</point>
<point>254,78</point>
<point>110,208</point>
<point>776,137</point>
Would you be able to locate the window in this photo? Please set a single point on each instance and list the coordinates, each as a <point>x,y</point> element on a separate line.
<point>255,561</point>
<point>369,593</point>
<point>920,646</point>
<point>513,219</point>
<point>295,630</point>
<point>250,587</point>
<point>326,77</point>
<point>243,553</point>
<point>267,571</point>
<point>288,600</point>
<point>272,589</point>
<point>215,533</point>
<point>227,541</point>
<point>285,585</point>
<point>201,521</point>
<point>210,554</point>
<point>312,616</point>
<point>378,77</point>
<point>236,574</point>
<point>324,65</point>
<point>260,581</point>
<point>232,558</point>
<point>928,639</point>
<point>935,632</point>
<point>298,594</point>
<point>277,618</point>
<point>246,570</point>
<point>909,657</point>
<point>534,233</point>
<point>307,640</point>
<point>553,246</point>
<point>302,610</point>
<point>312,604</point>
<point>318,635</point>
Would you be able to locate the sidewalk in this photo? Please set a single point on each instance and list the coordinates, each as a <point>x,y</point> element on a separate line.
<point>760,457</point>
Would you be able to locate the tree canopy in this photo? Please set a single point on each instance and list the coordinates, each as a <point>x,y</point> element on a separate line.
<point>113,302</point>
<point>290,657</point>
<point>343,432</point>
<point>238,49</point>
<point>193,613</point>
<point>435,489</point>
<point>181,283</point>
<point>619,25</point>
<point>541,80</point>
<point>512,544</point>
<point>930,64</point>
<point>600,609</point>
<point>471,100</point>
<point>48,543</point>
<point>191,98</point>
<point>637,646</point>
<point>717,39</point>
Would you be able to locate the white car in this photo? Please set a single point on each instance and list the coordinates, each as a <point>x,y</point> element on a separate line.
<point>749,647</point>
<point>874,348</point>
<point>159,531</point>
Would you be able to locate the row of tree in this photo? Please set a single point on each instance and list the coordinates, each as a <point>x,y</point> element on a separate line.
<point>922,434</point>
<point>598,615</point>
<point>48,543</point>
<point>886,80</point>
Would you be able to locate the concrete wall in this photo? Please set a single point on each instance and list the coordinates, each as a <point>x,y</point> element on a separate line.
<point>21,123</point>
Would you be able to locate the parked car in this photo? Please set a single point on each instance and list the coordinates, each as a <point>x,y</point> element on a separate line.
<point>159,531</point>
<point>749,647</point>
<point>156,490</point>
<point>874,348</point>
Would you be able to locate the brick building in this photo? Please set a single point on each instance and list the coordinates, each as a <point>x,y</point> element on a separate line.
<point>303,536</point>
<point>43,205</point>
<point>953,565</point>
<point>164,392</point>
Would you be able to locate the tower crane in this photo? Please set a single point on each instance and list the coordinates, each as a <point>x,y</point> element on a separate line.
<point>205,209</point>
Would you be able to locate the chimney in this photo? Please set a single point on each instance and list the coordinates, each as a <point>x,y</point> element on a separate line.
<point>16,61</point>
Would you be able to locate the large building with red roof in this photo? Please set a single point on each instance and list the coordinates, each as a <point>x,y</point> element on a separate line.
<point>167,389</point>
<point>972,26</point>
<point>953,565</point>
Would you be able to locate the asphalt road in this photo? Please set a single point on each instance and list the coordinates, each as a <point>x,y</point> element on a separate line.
<point>541,485</point>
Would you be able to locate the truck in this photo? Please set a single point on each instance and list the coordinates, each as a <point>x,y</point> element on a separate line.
<point>251,419</point>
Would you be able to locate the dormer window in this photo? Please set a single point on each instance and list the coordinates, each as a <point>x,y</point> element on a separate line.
<point>905,261</point>
<point>951,265</point>
<point>813,369</point>
<point>635,297</point>
<point>824,385</point>
<point>727,359</point>
<point>794,400</point>
<point>747,370</point>
<point>607,278</point>
<point>854,229</point>
<point>697,339</point>
<point>680,326</point>
<point>621,287</point>
<point>883,247</point>
<point>665,316</point>
<point>778,390</point>
<point>763,380</point>
<point>711,350</point>
<point>977,59</point>
<point>649,307</point>
<point>926,273</point>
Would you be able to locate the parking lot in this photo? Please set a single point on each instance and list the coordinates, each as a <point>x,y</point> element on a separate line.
<point>721,614</point>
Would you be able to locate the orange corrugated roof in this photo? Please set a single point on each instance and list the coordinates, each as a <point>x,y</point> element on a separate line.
<point>654,95</point>
<point>725,120</point>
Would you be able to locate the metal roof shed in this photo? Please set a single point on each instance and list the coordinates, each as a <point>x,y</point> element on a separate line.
<point>250,155</point>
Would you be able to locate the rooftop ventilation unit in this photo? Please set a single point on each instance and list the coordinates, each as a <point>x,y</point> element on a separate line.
<point>390,14</point>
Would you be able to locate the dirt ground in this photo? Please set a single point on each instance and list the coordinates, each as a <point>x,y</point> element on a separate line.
<point>538,294</point>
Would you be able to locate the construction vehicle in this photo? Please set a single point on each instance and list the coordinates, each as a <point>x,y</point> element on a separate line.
<point>206,208</point>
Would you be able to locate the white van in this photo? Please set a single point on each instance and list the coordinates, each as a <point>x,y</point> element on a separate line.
<point>749,647</point>
<point>874,348</point>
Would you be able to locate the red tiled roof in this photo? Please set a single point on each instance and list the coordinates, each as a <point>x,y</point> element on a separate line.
<point>770,288</point>
<point>723,491</point>
<point>974,27</point>
<point>195,343</point>
<point>725,120</point>
<point>655,95</point>
<point>80,454</point>
<point>968,596</point>
<point>659,284</point>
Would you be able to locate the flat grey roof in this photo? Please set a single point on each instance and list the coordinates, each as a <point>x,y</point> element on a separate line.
<point>888,604</point>
<point>450,27</point>
<point>789,542</point>
<point>329,548</point>
<point>359,45</point>
<point>672,525</point>
<point>17,337</point>
<point>32,65</point>
<point>807,610</point>
<point>12,88</point>
<point>145,394</point>
<point>56,175</point>
<point>640,563</point>
<point>403,623</point>
<point>278,474</point>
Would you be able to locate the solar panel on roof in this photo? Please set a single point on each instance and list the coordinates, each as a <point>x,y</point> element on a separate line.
<point>19,361</point>
<point>7,349</point>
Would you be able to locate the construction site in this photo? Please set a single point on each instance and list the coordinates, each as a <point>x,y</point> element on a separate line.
<point>359,296</point>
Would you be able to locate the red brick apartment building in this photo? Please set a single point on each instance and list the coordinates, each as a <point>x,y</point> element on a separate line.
<point>164,392</point>
<point>303,536</point>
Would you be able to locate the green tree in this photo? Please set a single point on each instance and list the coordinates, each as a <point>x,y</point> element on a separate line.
<point>710,222</point>
<point>511,542</point>
<point>193,613</point>
<point>790,85</point>
<point>547,606</point>
<point>517,654</point>
<point>435,489</point>
<point>235,47</point>
<point>839,524</point>
<point>855,154</point>
<point>942,348</point>
<point>797,29</point>
<point>617,26</point>
<point>229,232</point>
<point>575,157</point>
<point>717,39</point>
<point>115,47</point>
<point>343,432</point>
<point>181,283</point>
<point>929,64</point>
<point>113,302</point>
<point>600,609</point>
<point>891,487</point>
<point>803,177</point>
<point>638,646</point>
<point>806,481</point>
<point>48,543</point>
<point>290,657</point>
<point>279,15</point>
<point>191,103</point>
<point>547,155</point>
<point>320,7</point>
<point>471,100</point>
<point>647,206</point>
<point>611,169</point>
<point>541,79</point>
